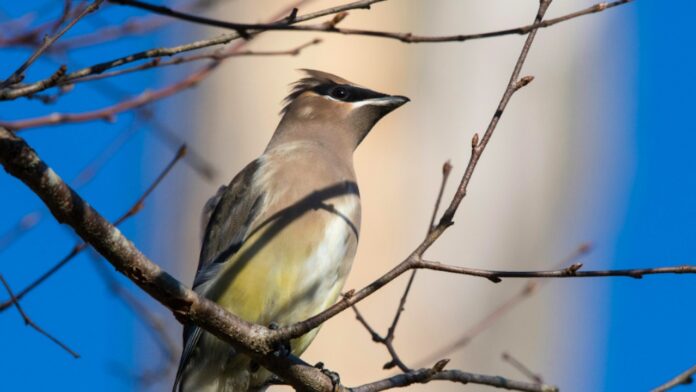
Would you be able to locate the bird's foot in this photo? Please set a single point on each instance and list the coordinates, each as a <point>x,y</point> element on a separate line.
<point>282,349</point>
<point>333,376</point>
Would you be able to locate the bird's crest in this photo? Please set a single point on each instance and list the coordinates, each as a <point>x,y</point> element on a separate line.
<point>310,82</point>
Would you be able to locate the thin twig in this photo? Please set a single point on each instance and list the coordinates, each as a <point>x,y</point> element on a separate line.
<point>388,343</point>
<point>199,163</point>
<point>132,26</point>
<point>681,379</point>
<point>38,281</point>
<point>32,37</point>
<point>18,74</point>
<point>78,248</point>
<point>330,27</point>
<point>246,29</point>
<point>208,56</point>
<point>166,11</point>
<point>496,314</point>
<point>446,170</point>
<point>12,93</point>
<point>374,335</point>
<point>86,175</point>
<point>522,368</point>
<point>257,341</point>
<point>26,223</point>
<point>22,162</point>
<point>437,372</point>
<point>110,112</point>
<point>299,329</point>
<point>388,339</point>
<point>572,271</point>
<point>67,7</point>
<point>152,323</point>
<point>28,321</point>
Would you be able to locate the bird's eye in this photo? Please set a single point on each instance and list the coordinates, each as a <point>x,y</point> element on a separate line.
<point>339,93</point>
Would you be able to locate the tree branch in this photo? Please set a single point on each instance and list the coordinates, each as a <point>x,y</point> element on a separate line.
<point>216,55</point>
<point>78,248</point>
<point>437,373</point>
<point>572,271</point>
<point>681,379</point>
<point>28,321</point>
<point>388,339</point>
<point>258,341</point>
<point>68,207</point>
<point>330,27</point>
<point>477,328</point>
<point>18,74</point>
<point>246,29</point>
<point>514,85</point>
<point>13,93</point>
<point>522,368</point>
<point>109,112</point>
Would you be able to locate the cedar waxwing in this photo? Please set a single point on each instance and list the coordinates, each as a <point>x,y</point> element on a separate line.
<point>282,235</point>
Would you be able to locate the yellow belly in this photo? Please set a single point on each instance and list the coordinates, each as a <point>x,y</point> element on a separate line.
<point>288,272</point>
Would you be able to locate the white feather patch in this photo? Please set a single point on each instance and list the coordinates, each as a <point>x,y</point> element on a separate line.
<point>323,266</point>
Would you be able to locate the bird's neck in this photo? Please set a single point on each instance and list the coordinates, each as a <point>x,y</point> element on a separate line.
<point>338,142</point>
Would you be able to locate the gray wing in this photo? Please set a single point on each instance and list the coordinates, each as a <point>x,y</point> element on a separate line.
<point>209,208</point>
<point>234,208</point>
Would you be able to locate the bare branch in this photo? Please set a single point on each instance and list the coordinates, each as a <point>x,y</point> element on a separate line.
<point>18,74</point>
<point>217,55</point>
<point>7,94</point>
<point>572,271</point>
<point>388,340</point>
<point>31,219</point>
<point>446,170</point>
<point>153,324</point>
<point>247,29</point>
<point>132,26</point>
<point>476,329</point>
<point>681,379</point>
<point>26,223</point>
<point>258,341</point>
<point>78,248</point>
<point>437,373</point>
<point>522,368</point>
<point>28,321</point>
<point>110,112</point>
<point>38,281</point>
<point>301,328</point>
<point>67,206</point>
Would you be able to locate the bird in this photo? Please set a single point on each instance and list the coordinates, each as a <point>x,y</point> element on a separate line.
<point>280,239</point>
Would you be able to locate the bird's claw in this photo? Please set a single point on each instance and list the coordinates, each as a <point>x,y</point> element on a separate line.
<point>282,349</point>
<point>333,376</point>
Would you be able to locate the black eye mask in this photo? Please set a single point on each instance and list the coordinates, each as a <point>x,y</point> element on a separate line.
<point>347,93</point>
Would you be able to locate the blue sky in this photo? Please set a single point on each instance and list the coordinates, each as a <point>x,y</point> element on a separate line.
<point>650,333</point>
<point>650,326</point>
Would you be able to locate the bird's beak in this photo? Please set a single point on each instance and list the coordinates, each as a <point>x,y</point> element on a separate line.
<point>389,102</point>
<point>396,100</point>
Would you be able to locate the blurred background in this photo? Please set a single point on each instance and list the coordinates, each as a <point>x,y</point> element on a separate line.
<point>597,150</point>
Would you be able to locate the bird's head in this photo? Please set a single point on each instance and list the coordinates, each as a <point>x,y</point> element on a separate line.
<point>325,107</point>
